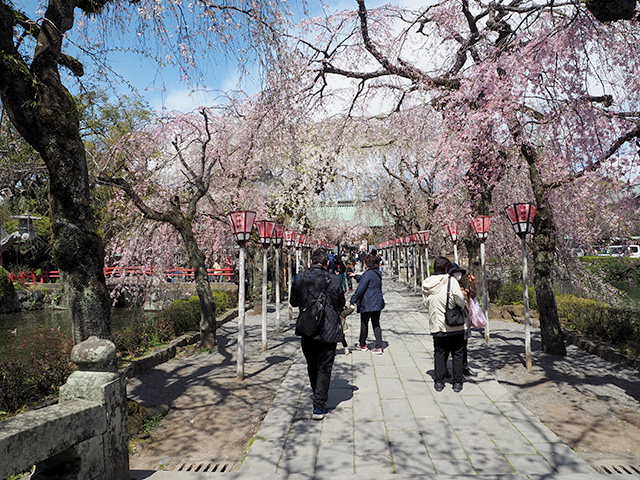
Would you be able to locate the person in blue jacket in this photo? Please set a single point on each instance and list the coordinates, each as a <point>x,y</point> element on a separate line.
<point>369,302</point>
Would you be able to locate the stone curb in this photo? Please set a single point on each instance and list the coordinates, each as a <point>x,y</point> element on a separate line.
<point>164,354</point>
<point>602,350</point>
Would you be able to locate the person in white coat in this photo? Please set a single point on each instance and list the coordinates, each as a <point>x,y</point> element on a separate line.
<point>446,339</point>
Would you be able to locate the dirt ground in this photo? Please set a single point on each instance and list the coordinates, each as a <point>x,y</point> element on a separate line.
<point>592,405</point>
<point>192,431</point>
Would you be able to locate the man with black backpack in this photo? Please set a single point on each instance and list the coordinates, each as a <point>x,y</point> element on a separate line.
<point>319,347</point>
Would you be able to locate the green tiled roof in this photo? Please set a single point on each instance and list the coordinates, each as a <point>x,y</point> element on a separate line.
<point>350,212</point>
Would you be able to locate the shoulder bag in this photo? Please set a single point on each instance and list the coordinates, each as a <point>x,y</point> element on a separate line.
<point>455,316</point>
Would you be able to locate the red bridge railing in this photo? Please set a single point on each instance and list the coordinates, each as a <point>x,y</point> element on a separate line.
<point>171,274</point>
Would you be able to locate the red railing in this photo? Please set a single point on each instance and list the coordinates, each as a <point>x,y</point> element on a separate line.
<point>49,276</point>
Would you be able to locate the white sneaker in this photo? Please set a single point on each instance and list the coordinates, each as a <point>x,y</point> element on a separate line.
<point>347,351</point>
<point>377,351</point>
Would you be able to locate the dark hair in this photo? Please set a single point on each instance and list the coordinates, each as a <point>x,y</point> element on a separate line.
<point>371,261</point>
<point>320,256</point>
<point>374,251</point>
<point>441,265</point>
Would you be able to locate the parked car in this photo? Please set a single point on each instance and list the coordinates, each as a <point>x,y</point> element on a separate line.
<point>620,251</point>
<point>577,252</point>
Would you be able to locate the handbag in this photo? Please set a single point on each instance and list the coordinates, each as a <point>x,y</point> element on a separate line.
<point>476,315</point>
<point>310,318</point>
<point>455,316</point>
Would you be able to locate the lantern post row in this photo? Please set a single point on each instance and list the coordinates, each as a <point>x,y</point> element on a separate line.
<point>480,226</point>
<point>521,217</point>
<point>241,224</point>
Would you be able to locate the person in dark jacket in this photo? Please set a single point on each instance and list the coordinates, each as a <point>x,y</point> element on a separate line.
<point>320,349</point>
<point>369,302</point>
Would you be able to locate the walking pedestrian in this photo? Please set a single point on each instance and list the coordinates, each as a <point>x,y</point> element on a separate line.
<point>319,349</point>
<point>369,302</point>
<point>441,291</point>
<point>351,272</point>
<point>467,285</point>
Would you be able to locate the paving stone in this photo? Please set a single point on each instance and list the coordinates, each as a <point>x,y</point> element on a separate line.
<point>416,388</point>
<point>390,388</point>
<point>386,371</point>
<point>448,466</point>
<point>536,432</point>
<point>367,465</point>
<point>367,408</point>
<point>296,463</point>
<point>515,412</point>
<point>398,415</point>
<point>530,464</point>
<point>563,459</point>
<point>409,453</point>
<point>424,406</point>
<point>371,439</point>
<point>336,458</point>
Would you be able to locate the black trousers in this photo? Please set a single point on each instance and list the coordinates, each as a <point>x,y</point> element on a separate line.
<point>442,347</point>
<point>320,358</point>
<point>364,327</point>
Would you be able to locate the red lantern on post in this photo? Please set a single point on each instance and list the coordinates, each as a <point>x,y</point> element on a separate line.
<point>241,224</point>
<point>265,231</point>
<point>480,226</point>
<point>452,230</point>
<point>278,235</point>
<point>521,217</point>
<point>289,238</point>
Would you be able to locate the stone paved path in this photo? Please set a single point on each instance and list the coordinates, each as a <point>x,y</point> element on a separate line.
<point>386,420</point>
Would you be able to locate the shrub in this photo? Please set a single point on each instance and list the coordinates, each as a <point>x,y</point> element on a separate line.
<point>6,287</point>
<point>615,269</point>
<point>511,294</point>
<point>617,326</point>
<point>180,317</point>
<point>28,378</point>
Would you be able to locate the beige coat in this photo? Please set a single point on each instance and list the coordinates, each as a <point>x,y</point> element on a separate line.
<point>434,297</point>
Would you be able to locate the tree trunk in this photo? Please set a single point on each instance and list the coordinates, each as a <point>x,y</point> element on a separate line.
<point>203,288</point>
<point>544,250</point>
<point>45,114</point>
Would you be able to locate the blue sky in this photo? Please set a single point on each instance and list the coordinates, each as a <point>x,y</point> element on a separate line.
<point>163,89</point>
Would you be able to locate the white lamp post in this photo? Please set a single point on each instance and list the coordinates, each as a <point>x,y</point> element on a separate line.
<point>241,225</point>
<point>288,239</point>
<point>480,226</point>
<point>414,241</point>
<point>521,218</point>
<point>297,239</point>
<point>265,231</point>
<point>423,240</point>
<point>277,242</point>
